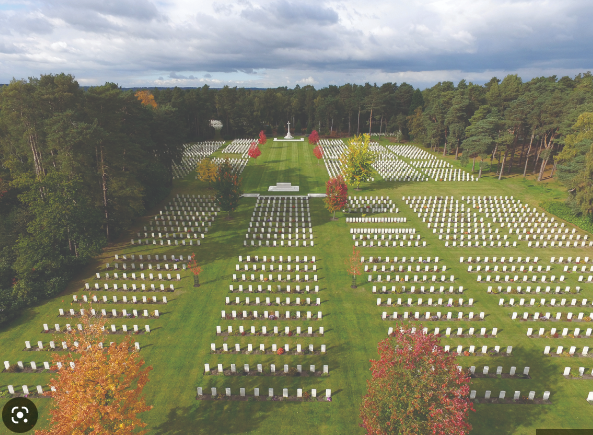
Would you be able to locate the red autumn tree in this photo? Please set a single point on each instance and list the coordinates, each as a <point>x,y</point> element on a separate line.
<point>254,151</point>
<point>318,151</point>
<point>196,270</point>
<point>314,137</point>
<point>101,393</point>
<point>262,138</point>
<point>353,263</point>
<point>336,194</point>
<point>416,388</point>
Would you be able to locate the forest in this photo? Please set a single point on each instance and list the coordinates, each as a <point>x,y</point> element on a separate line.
<point>79,165</point>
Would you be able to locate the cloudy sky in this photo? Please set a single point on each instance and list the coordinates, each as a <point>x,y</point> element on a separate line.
<point>269,43</point>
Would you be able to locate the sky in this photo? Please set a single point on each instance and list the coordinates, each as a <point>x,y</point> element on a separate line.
<point>271,43</point>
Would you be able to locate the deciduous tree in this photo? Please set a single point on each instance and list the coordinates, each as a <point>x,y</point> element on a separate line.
<point>254,151</point>
<point>314,137</point>
<point>195,268</point>
<point>357,160</point>
<point>228,187</point>
<point>318,152</point>
<point>146,98</point>
<point>206,170</point>
<point>354,267</point>
<point>336,193</point>
<point>262,138</point>
<point>98,389</point>
<point>416,388</point>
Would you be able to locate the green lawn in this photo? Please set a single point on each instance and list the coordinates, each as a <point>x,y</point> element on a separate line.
<point>179,345</point>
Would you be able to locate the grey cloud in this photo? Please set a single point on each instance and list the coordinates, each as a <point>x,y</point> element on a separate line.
<point>136,9</point>
<point>282,12</point>
<point>207,76</point>
<point>174,75</point>
<point>160,78</point>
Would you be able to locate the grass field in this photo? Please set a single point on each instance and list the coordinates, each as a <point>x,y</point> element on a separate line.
<point>179,344</point>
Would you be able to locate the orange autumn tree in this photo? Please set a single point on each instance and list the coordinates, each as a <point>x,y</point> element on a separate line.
<point>195,268</point>
<point>101,394</point>
<point>353,263</point>
<point>146,98</point>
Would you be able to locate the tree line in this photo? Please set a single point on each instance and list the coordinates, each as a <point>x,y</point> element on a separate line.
<point>76,168</point>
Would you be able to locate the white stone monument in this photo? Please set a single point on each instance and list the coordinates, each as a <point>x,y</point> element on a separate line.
<point>288,135</point>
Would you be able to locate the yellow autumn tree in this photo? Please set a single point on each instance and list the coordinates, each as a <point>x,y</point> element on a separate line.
<point>207,171</point>
<point>98,387</point>
<point>146,98</point>
<point>357,160</point>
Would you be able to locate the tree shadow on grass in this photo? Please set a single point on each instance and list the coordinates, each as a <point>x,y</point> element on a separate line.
<point>505,419</point>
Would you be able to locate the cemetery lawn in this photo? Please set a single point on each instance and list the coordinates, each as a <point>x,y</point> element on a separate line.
<point>179,344</point>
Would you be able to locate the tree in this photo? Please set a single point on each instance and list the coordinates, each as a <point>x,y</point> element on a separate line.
<point>254,151</point>
<point>146,98</point>
<point>318,151</point>
<point>357,160</point>
<point>207,170</point>
<point>416,387</point>
<point>195,268</point>
<point>98,389</point>
<point>228,187</point>
<point>262,138</point>
<point>336,194</point>
<point>416,126</point>
<point>314,137</point>
<point>353,263</point>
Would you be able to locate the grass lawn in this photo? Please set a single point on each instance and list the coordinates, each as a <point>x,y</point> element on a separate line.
<point>179,344</point>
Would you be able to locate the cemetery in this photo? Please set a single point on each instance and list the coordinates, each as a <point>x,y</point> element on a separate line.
<point>452,255</point>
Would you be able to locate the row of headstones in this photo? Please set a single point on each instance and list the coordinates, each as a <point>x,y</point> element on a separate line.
<point>269,289</point>
<point>537,289</point>
<point>142,277</point>
<point>566,245</point>
<point>483,245</point>
<point>263,235</point>
<point>274,244</point>
<point>26,392</point>
<point>262,348</point>
<point>415,278</point>
<point>572,350</point>
<point>65,345</point>
<point>80,328</point>
<point>271,267</point>
<point>386,244</point>
<point>46,365</point>
<point>459,331</point>
<point>422,290</point>
<point>470,303</point>
<point>403,260</point>
<point>409,151</point>
<point>511,303</point>
<point>377,220</point>
<point>534,278</point>
<point>576,333</point>
<point>134,288</point>
<point>264,330</point>
<point>512,371</point>
<point>270,392</point>
<point>145,300</point>
<point>191,242</point>
<point>517,395</point>
<point>427,315</point>
<point>527,316</point>
<point>72,313</point>
<point>401,268</point>
<point>149,258</point>
<point>299,368</point>
<point>269,302</point>
<point>280,259</point>
<point>581,371</point>
<point>113,328</point>
<point>270,278</point>
<point>276,316</point>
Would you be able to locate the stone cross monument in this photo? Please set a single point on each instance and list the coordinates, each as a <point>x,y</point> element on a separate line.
<point>288,136</point>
